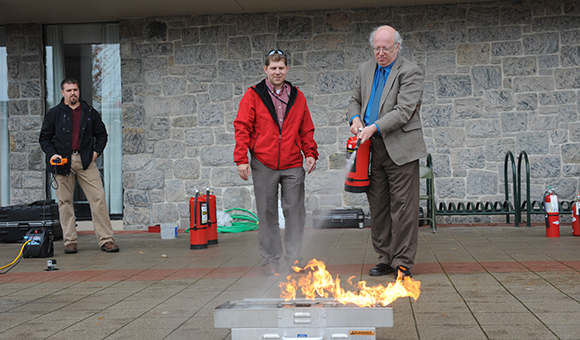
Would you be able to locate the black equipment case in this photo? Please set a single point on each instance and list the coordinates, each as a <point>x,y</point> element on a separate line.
<point>41,242</point>
<point>17,220</point>
<point>338,218</point>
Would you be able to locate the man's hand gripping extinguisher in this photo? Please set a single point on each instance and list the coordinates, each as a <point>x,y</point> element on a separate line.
<point>552,213</point>
<point>575,216</point>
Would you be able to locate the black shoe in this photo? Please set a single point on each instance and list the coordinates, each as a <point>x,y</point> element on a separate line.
<point>297,268</point>
<point>405,272</point>
<point>381,269</point>
<point>270,269</point>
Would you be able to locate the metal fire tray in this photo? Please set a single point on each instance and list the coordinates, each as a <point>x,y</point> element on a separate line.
<point>319,319</point>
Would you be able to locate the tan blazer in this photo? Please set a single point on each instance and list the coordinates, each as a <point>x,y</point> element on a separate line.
<point>399,120</point>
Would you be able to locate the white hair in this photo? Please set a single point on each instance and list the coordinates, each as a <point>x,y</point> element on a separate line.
<point>398,39</point>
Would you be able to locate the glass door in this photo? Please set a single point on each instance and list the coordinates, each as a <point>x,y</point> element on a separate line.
<point>90,53</point>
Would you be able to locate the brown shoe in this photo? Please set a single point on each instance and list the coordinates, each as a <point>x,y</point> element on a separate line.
<point>71,248</point>
<point>110,247</point>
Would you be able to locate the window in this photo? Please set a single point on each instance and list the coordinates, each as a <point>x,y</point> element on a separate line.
<point>90,53</point>
<point>4,142</point>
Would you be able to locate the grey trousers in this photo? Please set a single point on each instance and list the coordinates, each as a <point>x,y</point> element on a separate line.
<point>394,203</point>
<point>92,185</point>
<point>266,183</point>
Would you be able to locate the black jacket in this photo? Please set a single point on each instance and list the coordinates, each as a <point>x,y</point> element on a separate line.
<point>56,135</point>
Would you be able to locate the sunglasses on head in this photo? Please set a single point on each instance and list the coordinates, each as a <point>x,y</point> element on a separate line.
<point>272,52</point>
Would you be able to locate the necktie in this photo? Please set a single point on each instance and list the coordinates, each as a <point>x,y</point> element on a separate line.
<point>374,114</point>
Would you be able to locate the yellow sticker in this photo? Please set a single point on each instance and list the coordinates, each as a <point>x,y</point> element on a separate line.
<point>362,333</point>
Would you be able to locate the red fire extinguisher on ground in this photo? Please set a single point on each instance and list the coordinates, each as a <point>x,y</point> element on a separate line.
<point>552,213</point>
<point>576,217</point>
<point>210,216</point>
<point>357,165</point>
<point>197,230</point>
<point>202,220</point>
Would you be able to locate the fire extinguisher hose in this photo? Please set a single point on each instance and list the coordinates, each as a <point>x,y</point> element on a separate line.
<point>241,222</point>
<point>194,214</point>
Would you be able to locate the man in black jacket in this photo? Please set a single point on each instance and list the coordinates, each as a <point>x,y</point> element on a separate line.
<point>74,130</point>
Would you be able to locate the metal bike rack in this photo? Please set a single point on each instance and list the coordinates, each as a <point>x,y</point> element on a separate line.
<point>507,207</point>
<point>535,207</point>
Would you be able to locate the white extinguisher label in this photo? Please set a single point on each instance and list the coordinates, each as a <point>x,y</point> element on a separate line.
<point>553,207</point>
<point>203,213</point>
<point>577,207</point>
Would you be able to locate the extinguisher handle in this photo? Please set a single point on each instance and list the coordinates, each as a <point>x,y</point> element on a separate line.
<point>194,212</point>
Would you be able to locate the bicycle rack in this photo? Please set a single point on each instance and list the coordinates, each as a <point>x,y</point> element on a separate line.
<point>497,208</point>
<point>506,207</point>
<point>536,207</point>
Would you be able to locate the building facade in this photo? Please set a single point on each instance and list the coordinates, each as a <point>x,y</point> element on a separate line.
<point>501,76</point>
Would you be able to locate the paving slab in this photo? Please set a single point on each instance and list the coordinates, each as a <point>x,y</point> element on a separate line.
<point>477,282</point>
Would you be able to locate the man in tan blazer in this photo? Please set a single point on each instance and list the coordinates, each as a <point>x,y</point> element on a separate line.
<point>386,103</point>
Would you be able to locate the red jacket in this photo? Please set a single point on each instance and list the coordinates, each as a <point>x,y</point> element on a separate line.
<point>257,130</point>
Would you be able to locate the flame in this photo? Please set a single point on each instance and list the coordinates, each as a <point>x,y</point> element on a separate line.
<point>319,283</point>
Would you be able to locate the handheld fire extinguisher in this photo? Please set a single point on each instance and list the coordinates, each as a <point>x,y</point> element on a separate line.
<point>357,165</point>
<point>575,216</point>
<point>552,213</point>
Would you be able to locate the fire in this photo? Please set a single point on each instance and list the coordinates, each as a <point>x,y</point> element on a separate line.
<point>319,283</point>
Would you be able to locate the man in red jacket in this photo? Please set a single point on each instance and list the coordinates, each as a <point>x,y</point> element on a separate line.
<point>274,124</point>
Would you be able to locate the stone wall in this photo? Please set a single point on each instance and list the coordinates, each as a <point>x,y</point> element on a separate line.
<point>26,110</point>
<point>499,77</point>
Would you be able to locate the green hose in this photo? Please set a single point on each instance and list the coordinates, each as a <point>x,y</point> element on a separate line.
<point>241,222</point>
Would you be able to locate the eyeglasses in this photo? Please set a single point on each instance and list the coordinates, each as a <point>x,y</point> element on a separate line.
<point>272,52</point>
<point>384,49</point>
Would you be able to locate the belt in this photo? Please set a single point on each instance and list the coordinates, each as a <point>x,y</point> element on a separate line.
<point>75,152</point>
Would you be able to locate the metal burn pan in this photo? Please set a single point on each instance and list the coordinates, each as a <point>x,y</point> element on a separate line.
<point>318,319</point>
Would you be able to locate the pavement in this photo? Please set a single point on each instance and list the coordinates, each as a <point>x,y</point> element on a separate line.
<point>477,282</point>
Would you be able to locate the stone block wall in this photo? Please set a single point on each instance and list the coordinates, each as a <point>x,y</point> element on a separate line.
<point>26,104</point>
<point>501,76</point>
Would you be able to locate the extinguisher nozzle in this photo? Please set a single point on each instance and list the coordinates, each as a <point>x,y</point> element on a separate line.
<point>357,144</point>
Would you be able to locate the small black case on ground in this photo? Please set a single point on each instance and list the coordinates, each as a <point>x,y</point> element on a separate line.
<point>16,220</point>
<point>41,243</point>
<point>338,218</point>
